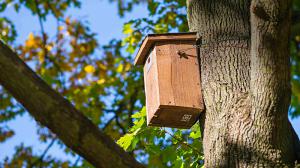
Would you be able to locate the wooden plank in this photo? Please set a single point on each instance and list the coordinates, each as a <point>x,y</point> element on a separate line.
<point>165,68</point>
<point>151,85</point>
<point>151,39</point>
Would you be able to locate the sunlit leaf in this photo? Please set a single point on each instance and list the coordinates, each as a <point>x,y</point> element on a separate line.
<point>127,29</point>
<point>89,69</point>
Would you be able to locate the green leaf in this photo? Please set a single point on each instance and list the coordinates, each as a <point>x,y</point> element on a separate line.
<point>3,6</point>
<point>17,7</point>
<point>195,135</point>
<point>140,114</point>
<point>152,7</point>
<point>128,139</point>
<point>125,141</point>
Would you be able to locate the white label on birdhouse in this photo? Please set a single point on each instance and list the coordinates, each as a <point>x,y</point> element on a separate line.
<point>149,62</point>
<point>186,117</point>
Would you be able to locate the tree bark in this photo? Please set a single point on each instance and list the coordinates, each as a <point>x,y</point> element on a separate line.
<point>246,81</point>
<point>59,115</point>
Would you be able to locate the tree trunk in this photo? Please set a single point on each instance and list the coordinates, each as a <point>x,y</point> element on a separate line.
<point>246,81</point>
<point>59,115</point>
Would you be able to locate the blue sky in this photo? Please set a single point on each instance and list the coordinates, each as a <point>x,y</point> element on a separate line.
<point>103,20</point>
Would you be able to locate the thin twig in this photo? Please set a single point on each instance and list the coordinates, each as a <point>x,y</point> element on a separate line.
<point>56,65</point>
<point>42,28</point>
<point>120,125</point>
<point>44,153</point>
<point>44,37</point>
<point>77,161</point>
<point>108,122</point>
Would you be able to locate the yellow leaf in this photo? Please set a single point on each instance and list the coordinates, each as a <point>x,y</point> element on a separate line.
<point>89,69</point>
<point>82,48</point>
<point>120,68</point>
<point>30,42</point>
<point>49,47</point>
<point>102,66</point>
<point>66,67</point>
<point>111,80</point>
<point>171,16</point>
<point>43,71</point>
<point>61,28</point>
<point>65,165</point>
<point>41,56</point>
<point>101,81</point>
<point>133,40</point>
<point>127,28</point>
<point>30,36</point>
<point>127,67</point>
<point>68,20</point>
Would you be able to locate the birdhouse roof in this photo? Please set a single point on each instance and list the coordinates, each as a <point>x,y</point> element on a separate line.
<point>151,39</point>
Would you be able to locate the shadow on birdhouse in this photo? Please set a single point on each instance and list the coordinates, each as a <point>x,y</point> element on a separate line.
<point>172,79</point>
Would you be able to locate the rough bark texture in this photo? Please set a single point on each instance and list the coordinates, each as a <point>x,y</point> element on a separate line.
<point>59,115</point>
<point>245,81</point>
<point>270,79</point>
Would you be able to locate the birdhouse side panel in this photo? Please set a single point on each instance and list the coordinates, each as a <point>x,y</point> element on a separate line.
<point>151,85</point>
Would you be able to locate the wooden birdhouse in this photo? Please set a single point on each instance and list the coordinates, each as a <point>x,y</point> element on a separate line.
<point>172,79</point>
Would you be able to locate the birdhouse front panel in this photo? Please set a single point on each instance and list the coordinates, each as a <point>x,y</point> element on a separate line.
<point>178,75</point>
<point>172,82</point>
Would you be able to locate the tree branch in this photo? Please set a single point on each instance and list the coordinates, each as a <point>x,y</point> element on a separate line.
<point>59,115</point>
